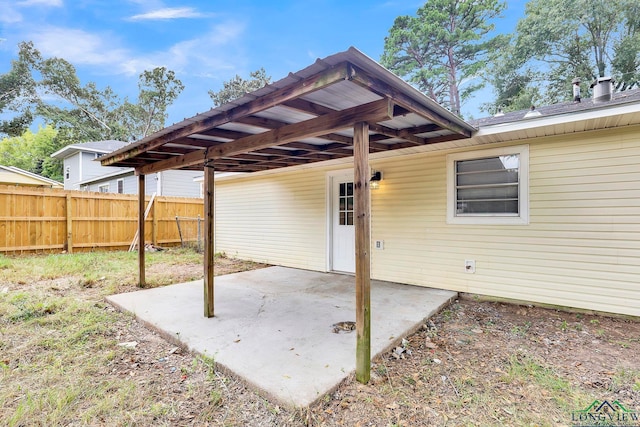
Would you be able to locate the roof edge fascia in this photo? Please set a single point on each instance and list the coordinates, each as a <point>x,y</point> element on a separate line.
<point>544,121</point>
<point>73,148</point>
<point>107,176</point>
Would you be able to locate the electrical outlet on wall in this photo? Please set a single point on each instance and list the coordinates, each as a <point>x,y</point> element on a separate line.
<point>469,266</point>
<point>379,244</point>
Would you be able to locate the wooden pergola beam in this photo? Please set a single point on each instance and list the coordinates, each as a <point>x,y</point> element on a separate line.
<point>423,129</point>
<point>383,131</point>
<point>395,133</point>
<point>307,107</point>
<point>310,84</point>
<point>374,111</point>
<point>275,124</point>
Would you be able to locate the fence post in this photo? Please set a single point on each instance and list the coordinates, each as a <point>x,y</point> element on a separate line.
<point>154,224</point>
<point>69,228</point>
<point>179,231</point>
<point>199,235</point>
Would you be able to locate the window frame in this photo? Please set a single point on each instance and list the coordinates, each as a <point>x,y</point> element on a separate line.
<point>120,185</point>
<point>488,218</point>
<point>346,212</point>
<point>103,186</point>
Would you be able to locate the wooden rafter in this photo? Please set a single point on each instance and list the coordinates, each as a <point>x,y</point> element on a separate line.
<point>395,133</point>
<point>378,86</point>
<point>275,124</point>
<point>374,111</point>
<point>308,85</point>
<point>383,131</point>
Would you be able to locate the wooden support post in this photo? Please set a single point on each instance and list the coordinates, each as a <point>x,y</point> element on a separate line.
<point>69,230</point>
<point>363,245</point>
<point>209,237</point>
<point>141,217</point>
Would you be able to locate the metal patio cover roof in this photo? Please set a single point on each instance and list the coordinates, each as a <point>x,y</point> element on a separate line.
<point>305,117</point>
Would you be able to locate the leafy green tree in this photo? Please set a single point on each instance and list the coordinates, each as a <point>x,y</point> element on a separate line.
<point>559,40</point>
<point>515,90</point>
<point>444,48</point>
<point>626,58</point>
<point>159,88</point>
<point>238,87</point>
<point>86,113</point>
<point>17,91</point>
<point>30,151</point>
<point>49,88</point>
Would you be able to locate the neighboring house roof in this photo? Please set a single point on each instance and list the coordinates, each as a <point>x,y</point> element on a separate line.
<point>99,147</point>
<point>306,117</point>
<point>12,175</point>
<point>122,172</point>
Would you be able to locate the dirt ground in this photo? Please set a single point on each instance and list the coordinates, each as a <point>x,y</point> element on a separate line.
<point>491,363</point>
<point>475,363</point>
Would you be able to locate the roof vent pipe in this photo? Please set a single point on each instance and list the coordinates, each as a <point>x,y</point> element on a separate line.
<point>602,89</point>
<point>576,89</point>
<point>532,113</point>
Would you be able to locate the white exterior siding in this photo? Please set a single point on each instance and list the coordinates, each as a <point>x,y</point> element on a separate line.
<point>91,167</point>
<point>167,183</point>
<point>180,183</point>
<point>130,185</point>
<point>73,163</point>
<point>150,183</point>
<point>279,219</point>
<point>580,249</point>
<point>82,167</point>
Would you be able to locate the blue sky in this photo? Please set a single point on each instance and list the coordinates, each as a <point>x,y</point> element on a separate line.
<point>205,42</point>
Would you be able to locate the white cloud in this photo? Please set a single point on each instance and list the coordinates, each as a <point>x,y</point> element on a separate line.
<point>10,15</point>
<point>50,3</point>
<point>78,47</point>
<point>168,13</point>
<point>210,53</point>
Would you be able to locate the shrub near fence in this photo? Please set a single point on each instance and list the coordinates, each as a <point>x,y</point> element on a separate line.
<point>49,220</point>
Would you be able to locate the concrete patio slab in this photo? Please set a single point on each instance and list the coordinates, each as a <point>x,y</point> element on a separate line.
<point>272,326</point>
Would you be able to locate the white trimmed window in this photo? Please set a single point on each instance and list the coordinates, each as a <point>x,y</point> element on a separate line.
<point>120,184</point>
<point>104,188</point>
<point>488,186</point>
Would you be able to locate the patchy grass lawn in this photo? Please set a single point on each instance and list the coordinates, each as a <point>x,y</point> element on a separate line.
<point>68,358</point>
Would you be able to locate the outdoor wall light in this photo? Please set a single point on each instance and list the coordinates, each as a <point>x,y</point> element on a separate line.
<point>376,177</point>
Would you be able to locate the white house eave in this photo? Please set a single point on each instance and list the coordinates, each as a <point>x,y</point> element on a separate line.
<point>221,175</point>
<point>625,115</point>
<point>128,171</point>
<point>70,150</point>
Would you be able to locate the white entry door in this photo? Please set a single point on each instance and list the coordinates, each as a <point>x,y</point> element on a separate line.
<point>343,240</point>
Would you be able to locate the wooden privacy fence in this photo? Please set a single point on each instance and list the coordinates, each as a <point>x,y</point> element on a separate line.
<point>48,220</point>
